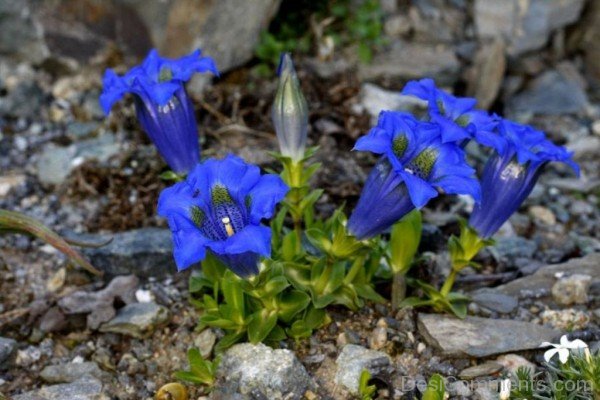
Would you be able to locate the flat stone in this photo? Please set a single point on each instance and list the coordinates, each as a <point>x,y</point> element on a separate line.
<point>485,369</point>
<point>512,362</point>
<point>86,388</point>
<point>494,301</point>
<point>7,349</point>
<point>572,289</point>
<point>247,369</point>
<point>375,99</point>
<point>481,337</point>
<point>137,320</point>
<point>554,92</point>
<point>407,60</point>
<point>488,73</point>
<point>525,25</point>
<point>71,372</point>
<point>540,283</point>
<point>146,252</point>
<point>100,305</point>
<point>352,360</point>
<point>55,163</point>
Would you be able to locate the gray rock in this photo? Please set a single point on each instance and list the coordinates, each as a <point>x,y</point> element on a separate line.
<point>407,60</point>
<point>137,320</point>
<point>586,147</point>
<point>86,388</point>
<point>100,305</point>
<point>205,341</point>
<point>484,393</point>
<point>572,289</point>
<point>485,369</point>
<point>7,349</point>
<point>55,163</point>
<point>525,25</point>
<point>146,252</point>
<point>458,388</point>
<point>67,373</point>
<point>481,337</point>
<point>553,92</point>
<point>512,362</point>
<point>22,36</point>
<point>81,130</point>
<point>246,369</point>
<point>486,77</point>
<point>540,283</point>
<point>375,99</point>
<point>495,301</point>
<point>353,360</point>
<point>509,249</point>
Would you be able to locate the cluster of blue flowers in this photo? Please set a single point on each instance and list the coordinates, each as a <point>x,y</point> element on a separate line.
<point>221,204</point>
<point>421,159</point>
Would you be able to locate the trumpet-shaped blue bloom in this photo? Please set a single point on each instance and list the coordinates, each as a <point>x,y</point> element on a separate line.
<point>415,165</point>
<point>510,175</point>
<point>162,105</point>
<point>457,117</point>
<point>220,207</point>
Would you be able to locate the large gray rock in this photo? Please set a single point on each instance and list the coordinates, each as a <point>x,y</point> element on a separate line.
<point>554,92</point>
<point>86,388</point>
<point>137,320</point>
<point>353,360</point>
<point>146,252</point>
<point>525,25</point>
<point>7,349</point>
<point>100,305</point>
<point>246,369</point>
<point>540,283</point>
<point>481,337</point>
<point>407,60</point>
<point>67,373</point>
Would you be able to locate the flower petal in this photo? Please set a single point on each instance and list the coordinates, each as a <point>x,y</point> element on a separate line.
<point>264,196</point>
<point>253,239</point>
<point>420,191</point>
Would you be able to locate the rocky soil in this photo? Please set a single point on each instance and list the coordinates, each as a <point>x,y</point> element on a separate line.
<point>65,334</point>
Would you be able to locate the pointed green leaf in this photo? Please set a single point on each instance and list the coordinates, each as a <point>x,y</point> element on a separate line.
<point>404,241</point>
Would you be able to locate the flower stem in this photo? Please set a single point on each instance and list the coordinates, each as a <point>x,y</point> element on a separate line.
<point>398,289</point>
<point>449,283</point>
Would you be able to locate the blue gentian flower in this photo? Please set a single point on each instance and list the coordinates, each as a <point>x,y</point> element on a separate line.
<point>290,112</point>
<point>162,105</point>
<point>415,166</point>
<point>509,176</point>
<point>457,116</point>
<point>220,207</point>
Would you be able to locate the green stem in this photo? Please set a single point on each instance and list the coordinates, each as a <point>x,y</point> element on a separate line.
<point>324,278</point>
<point>354,270</point>
<point>398,289</point>
<point>447,287</point>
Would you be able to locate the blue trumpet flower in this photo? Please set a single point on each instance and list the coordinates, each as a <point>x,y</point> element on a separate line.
<point>162,104</point>
<point>510,175</point>
<point>456,116</point>
<point>415,166</point>
<point>220,207</point>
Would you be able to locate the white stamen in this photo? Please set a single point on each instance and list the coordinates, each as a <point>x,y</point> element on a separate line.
<point>228,228</point>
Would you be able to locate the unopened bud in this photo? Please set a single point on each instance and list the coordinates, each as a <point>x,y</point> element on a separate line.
<point>290,111</point>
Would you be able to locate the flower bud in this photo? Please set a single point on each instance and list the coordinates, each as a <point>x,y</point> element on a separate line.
<point>290,112</point>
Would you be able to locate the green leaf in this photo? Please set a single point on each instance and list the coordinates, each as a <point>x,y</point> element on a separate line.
<point>365,390</point>
<point>201,371</point>
<point>291,303</point>
<point>261,324</point>
<point>436,389</point>
<point>415,302</point>
<point>289,246</point>
<point>366,291</point>
<point>275,286</point>
<point>315,318</point>
<point>229,340</point>
<point>319,239</point>
<point>404,241</point>
<point>171,176</point>
<point>234,295</point>
<point>12,221</point>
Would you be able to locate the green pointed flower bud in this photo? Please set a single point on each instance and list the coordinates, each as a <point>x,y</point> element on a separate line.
<point>290,112</point>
